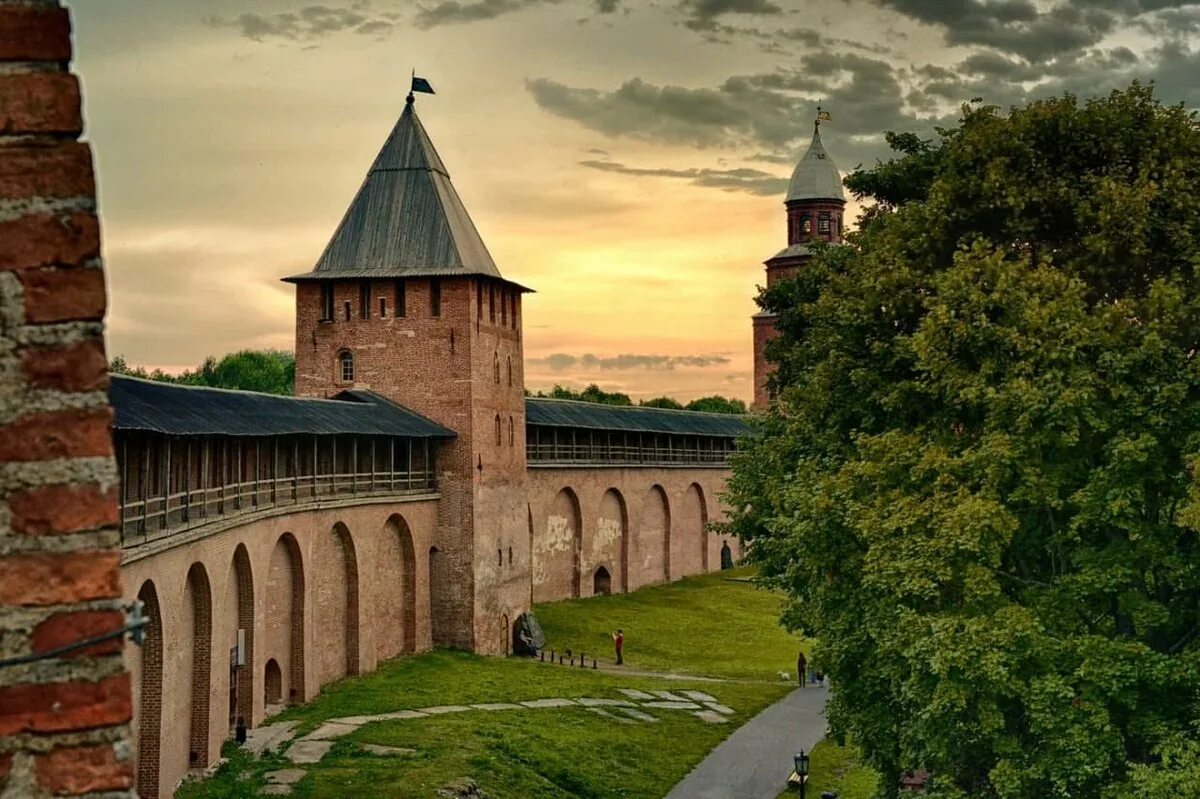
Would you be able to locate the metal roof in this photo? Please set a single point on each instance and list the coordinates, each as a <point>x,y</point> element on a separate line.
<point>595,416</point>
<point>406,219</point>
<point>172,409</point>
<point>816,177</point>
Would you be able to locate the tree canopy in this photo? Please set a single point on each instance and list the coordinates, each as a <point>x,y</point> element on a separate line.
<point>593,393</point>
<point>270,371</point>
<point>978,480</point>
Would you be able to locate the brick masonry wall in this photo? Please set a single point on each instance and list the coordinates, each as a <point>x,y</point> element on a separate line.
<point>284,558</point>
<point>624,526</point>
<point>64,720</point>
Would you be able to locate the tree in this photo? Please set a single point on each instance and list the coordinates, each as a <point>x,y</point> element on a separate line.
<point>662,402</point>
<point>717,404</point>
<point>270,371</point>
<point>978,484</point>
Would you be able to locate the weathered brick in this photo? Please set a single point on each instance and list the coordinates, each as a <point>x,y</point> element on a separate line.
<point>68,628</point>
<point>62,509</point>
<point>77,367</point>
<point>83,769</point>
<point>57,171</point>
<point>34,34</point>
<point>49,578</point>
<point>63,295</point>
<point>40,240</point>
<point>57,434</point>
<point>40,103</point>
<point>54,707</point>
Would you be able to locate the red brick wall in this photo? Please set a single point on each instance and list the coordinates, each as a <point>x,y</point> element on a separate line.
<point>63,720</point>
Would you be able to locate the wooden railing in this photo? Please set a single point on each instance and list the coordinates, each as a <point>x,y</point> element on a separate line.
<point>166,515</point>
<point>599,454</point>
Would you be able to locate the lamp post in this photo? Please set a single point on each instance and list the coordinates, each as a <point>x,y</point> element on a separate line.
<point>801,761</point>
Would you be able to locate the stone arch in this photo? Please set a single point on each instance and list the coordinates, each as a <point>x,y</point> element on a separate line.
<point>242,680</point>
<point>557,556</point>
<point>601,582</point>
<point>611,542</point>
<point>285,616</point>
<point>396,589</point>
<point>653,542</point>
<point>149,704</point>
<point>690,544</point>
<point>199,601</point>
<point>440,607</point>
<point>336,603</point>
<point>272,683</point>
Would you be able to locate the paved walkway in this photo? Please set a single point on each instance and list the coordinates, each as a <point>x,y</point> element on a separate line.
<point>755,761</point>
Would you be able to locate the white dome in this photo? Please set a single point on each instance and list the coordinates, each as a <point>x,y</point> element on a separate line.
<point>816,177</point>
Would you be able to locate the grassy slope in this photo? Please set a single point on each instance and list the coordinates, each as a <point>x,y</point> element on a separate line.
<point>706,625</point>
<point>711,625</point>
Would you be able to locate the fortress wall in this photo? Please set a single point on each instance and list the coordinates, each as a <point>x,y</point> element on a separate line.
<point>329,595</point>
<point>642,525</point>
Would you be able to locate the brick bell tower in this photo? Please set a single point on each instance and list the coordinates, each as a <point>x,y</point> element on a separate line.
<point>815,204</point>
<point>407,302</point>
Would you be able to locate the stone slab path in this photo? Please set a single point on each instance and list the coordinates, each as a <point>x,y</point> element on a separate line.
<point>315,745</point>
<point>754,762</point>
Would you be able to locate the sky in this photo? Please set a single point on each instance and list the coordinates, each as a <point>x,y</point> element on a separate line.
<point>627,159</point>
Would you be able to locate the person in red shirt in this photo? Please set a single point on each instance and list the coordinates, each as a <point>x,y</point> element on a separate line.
<point>619,644</point>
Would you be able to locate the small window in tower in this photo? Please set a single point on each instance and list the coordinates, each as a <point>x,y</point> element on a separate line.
<point>512,434</point>
<point>510,370</point>
<point>401,300</point>
<point>504,307</point>
<point>806,224</point>
<point>491,303</point>
<point>346,366</point>
<point>435,297</point>
<point>364,299</point>
<point>346,310</point>
<point>499,557</point>
<point>510,556</point>
<point>326,301</point>
<point>383,307</point>
<point>497,430</point>
<point>496,367</point>
<point>823,223</point>
<point>834,224</point>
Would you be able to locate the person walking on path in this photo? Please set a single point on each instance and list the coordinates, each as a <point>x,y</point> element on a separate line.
<point>619,644</point>
<point>801,666</point>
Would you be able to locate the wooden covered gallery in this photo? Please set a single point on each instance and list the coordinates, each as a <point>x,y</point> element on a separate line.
<point>190,455</point>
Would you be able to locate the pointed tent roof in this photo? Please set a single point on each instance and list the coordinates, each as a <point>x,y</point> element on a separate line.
<point>816,177</point>
<point>406,219</point>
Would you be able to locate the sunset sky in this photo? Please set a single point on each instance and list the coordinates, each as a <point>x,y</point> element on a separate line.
<point>626,159</point>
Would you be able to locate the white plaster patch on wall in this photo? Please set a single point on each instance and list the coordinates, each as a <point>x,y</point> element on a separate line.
<point>559,537</point>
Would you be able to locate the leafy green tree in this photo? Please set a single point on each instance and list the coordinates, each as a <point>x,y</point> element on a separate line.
<point>717,404</point>
<point>270,371</point>
<point>662,402</point>
<point>593,393</point>
<point>978,483</point>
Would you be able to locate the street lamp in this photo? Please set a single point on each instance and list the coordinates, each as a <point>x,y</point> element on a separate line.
<point>801,761</point>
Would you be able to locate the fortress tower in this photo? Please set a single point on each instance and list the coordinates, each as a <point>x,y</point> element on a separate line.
<point>815,204</point>
<point>407,302</point>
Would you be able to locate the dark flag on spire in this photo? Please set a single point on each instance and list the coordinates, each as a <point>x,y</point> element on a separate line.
<point>421,85</point>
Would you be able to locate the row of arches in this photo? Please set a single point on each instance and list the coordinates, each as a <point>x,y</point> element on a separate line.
<point>578,554</point>
<point>238,628</point>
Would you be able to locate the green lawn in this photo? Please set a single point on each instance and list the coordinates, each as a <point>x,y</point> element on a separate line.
<point>706,626</point>
<point>714,625</point>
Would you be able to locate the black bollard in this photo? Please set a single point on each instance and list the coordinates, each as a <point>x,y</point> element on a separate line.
<point>240,731</point>
<point>543,657</point>
<point>593,663</point>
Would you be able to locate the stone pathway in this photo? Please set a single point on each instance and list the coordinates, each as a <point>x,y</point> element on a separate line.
<point>755,761</point>
<point>310,748</point>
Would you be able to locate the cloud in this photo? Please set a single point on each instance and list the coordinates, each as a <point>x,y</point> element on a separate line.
<point>307,24</point>
<point>750,181</point>
<point>451,12</point>
<point>702,14</point>
<point>561,362</point>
